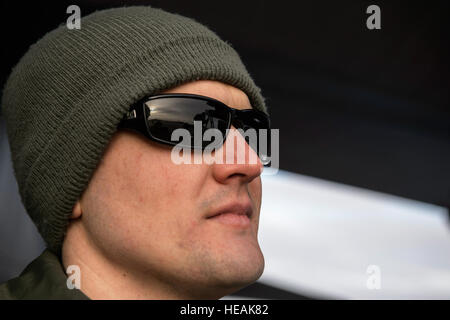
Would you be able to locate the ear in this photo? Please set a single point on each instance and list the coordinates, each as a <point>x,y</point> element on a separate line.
<point>76,212</point>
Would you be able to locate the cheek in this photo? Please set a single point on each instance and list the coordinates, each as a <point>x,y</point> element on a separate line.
<point>153,199</point>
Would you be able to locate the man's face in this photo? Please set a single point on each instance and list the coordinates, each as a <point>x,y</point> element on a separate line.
<point>149,215</point>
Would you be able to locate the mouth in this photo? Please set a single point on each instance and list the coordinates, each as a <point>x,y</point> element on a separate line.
<point>236,214</point>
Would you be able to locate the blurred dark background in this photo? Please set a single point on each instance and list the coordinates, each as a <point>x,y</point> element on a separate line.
<point>368,108</point>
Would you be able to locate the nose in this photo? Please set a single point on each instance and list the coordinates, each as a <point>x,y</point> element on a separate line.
<point>240,161</point>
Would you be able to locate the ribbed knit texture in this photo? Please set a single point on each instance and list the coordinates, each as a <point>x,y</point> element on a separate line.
<point>64,99</point>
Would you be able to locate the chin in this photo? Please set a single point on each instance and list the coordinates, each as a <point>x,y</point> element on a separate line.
<point>242,273</point>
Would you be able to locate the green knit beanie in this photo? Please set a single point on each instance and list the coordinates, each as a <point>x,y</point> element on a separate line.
<point>64,99</point>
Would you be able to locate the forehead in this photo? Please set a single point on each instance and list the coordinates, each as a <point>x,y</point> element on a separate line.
<point>231,96</point>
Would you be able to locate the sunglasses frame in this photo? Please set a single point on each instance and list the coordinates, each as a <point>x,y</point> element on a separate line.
<point>135,120</point>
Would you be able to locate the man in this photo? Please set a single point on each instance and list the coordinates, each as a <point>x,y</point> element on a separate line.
<point>110,202</point>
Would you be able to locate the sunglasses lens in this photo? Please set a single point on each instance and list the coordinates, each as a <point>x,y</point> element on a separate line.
<point>256,128</point>
<point>165,115</point>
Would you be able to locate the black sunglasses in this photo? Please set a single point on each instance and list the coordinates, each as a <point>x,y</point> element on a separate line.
<point>157,117</point>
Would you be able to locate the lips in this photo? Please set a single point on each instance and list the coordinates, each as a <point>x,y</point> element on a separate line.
<point>236,208</point>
